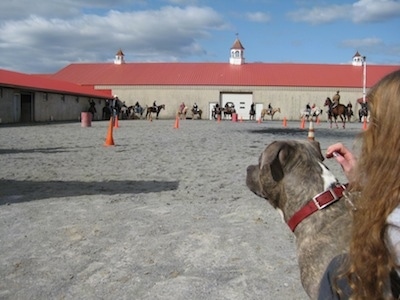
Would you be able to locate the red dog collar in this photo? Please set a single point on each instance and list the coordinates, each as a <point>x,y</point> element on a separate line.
<point>318,202</point>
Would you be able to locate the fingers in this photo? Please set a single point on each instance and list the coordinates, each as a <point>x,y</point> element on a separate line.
<point>339,148</point>
<point>343,156</point>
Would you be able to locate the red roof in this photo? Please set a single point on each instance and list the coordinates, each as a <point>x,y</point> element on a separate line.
<point>224,74</point>
<point>46,84</point>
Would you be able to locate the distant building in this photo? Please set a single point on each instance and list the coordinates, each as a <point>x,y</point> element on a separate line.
<point>289,86</point>
<point>28,98</point>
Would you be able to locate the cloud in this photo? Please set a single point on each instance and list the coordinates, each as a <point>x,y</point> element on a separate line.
<point>375,10</point>
<point>168,33</point>
<point>259,17</point>
<point>319,15</point>
<point>362,11</point>
<point>375,47</point>
<point>362,43</point>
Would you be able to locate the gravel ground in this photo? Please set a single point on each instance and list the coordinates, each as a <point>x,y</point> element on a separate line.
<point>163,214</point>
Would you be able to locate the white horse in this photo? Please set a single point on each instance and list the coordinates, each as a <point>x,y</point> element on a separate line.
<point>313,113</point>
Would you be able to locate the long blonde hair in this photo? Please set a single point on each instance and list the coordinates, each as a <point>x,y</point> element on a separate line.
<point>377,179</point>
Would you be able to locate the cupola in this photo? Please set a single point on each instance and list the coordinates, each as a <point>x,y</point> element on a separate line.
<point>358,60</point>
<point>119,58</point>
<point>237,53</point>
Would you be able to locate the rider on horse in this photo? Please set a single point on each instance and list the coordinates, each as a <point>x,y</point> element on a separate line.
<point>155,105</point>
<point>182,107</point>
<point>269,110</point>
<point>336,99</point>
<point>308,109</point>
<point>195,108</point>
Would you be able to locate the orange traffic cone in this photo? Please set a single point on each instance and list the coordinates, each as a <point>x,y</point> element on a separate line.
<point>176,126</point>
<point>302,123</point>
<point>318,120</point>
<point>219,118</point>
<point>241,119</point>
<point>116,125</point>
<point>259,121</point>
<point>365,126</point>
<point>284,122</point>
<point>311,135</point>
<point>109,138</point>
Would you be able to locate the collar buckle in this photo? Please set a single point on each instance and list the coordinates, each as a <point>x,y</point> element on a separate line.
<point>327,197</point>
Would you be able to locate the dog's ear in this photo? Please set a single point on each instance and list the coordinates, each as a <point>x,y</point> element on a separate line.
<point>274,158</point>
<point>317,148</point>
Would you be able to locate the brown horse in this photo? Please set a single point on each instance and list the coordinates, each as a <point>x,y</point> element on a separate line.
<point>152,109</point>
<point>271,113</point>
<point>197,112</point>
<point>339,110</point>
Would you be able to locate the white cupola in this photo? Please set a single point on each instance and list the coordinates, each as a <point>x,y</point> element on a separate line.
<point>357,60</point>
<point>119,58</point>
<point>237,53</point>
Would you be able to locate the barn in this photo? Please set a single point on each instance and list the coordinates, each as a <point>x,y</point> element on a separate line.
<point>287,86</point>
<point>28,98</point>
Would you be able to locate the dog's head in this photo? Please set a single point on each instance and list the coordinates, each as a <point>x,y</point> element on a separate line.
<point>287,170</point>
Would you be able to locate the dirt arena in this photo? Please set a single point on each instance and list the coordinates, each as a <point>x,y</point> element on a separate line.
<point>163,214</point>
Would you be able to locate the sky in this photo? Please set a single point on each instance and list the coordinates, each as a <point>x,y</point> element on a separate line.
<point>44,36</point>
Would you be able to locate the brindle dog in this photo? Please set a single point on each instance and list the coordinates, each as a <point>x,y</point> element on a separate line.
<point>289,174</point>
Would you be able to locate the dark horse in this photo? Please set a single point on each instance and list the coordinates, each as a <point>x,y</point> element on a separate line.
<point>229,109</point>
<point>106,112</point>
<point>216,112</point>
<point>349,112</point>
<point>252,113</point>
<point>152,109</point>
<point>339,110</point>
<point>363,111</point>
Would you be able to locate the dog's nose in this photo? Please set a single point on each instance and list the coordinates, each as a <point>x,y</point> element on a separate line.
<point>252,178</point>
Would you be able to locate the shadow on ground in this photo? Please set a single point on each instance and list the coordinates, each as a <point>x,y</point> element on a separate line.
<point>14,191</point>
<point>299,133</point>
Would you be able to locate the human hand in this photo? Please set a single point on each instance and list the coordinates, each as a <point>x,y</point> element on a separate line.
<point>343,156</point>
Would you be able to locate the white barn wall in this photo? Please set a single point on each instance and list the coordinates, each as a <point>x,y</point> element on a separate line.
<point>59,107</point>
<point>45,106</point>
<point>291,100</point>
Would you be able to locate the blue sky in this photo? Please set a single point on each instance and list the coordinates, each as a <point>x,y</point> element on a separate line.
<point>43,36</point>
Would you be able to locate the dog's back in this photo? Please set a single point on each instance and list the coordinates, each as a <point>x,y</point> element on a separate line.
<point>289,174</point>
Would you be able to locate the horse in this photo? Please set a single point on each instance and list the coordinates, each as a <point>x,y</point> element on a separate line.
<point>313,114</point>
<point>124,112</point>
<point>196,112</point>
<point>271,113</point>
<point>182,114</point>
<point>363,111</point>
<point>349,113</point>
<point>106,112</point>
<point>229,109</point>
<point>252,113</point>
<point>339,110</point>
<point>152,109</point>
<point>135,112</point>
<point>216,111</point>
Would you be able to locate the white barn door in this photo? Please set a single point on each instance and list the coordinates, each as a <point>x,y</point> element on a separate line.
<point>242,102</point>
